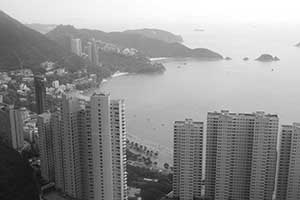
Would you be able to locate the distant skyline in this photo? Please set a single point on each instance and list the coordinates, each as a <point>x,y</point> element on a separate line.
<point>119,14</point>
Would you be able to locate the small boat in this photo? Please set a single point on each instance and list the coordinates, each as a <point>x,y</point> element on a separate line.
<point>199,30</point>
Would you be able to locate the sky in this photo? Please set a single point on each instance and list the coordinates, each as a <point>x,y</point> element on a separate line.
<point>122,14</point>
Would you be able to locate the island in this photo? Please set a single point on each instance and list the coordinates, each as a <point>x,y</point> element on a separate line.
<point>228,58</point>
<point>157,34</point>
<point>298,44</point>
<point>246,59</point>
<point>267,58</point>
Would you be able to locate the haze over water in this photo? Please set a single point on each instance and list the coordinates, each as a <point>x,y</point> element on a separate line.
<point>154,102</point>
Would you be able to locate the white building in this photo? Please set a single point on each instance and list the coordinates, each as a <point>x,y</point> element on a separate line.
<point>56,125</point>
<point>46,146</point>
<point>284,161</point>
<point>118,133</point>
<point>55,84</point>
<point>16,125</point>
<point>188,143</point>
<point>89,142</point>
<point>106,148</point>
<point>70,146</point>
<point>240,155</point>
<point>76,46</point>
<point>293,186</point>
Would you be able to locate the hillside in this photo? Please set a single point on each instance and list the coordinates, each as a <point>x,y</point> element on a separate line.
<point>147,46</point>
<point>42,28</point>
<point>22,46</point>
<point>157,34</point>
<point>17,179</point>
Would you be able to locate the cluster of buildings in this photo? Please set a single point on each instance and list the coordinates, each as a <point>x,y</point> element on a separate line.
<point>21,78</point>
<point>83,145</point>
<point>92,48</point>
<point>52,68</point>
<point>240,158</point>
<point>19,126</point>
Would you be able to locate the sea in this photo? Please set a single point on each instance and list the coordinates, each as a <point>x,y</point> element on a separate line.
<point>191,88</point>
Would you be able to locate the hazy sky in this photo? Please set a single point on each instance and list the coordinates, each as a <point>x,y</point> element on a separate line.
<point>129,13</point>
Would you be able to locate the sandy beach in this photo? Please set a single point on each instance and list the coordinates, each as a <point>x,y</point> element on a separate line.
<point>165,154</point>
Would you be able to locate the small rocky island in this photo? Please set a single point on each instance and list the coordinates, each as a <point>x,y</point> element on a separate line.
<point>267,58</point>
<point>228,58</point>
<point>246,59</point>
<point>298,45</point>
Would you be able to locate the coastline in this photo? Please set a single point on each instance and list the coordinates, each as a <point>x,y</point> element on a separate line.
<point>118,73</point>
<point>158,59</point>
<point>90,91</point>
<point>165,154</point>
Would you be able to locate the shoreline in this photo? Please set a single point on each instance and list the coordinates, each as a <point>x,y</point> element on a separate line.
<point>158,59</point>
<point>90,91</point>
<point>165,154</point>
<point>118,73</point>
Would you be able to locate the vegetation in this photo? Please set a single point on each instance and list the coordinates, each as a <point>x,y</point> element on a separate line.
<point>157,34</point>
<point>150,190</point>
<point>166,166</point>
<point>148,46</point>
<point>24,47</point>
<point>132,64</point>
<point>18,180</point>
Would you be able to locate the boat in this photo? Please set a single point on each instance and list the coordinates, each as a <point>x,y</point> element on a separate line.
<point>199,30</point>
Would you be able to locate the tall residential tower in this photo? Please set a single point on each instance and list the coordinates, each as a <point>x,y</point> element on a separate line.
<point>93,52</point>
<point>11,132</point>
<point>284,161</point>
<point>293,185</point>
<point>45,142</point>
<point>240,156</point>
<point>76,46</point>
<point>188,141</point>
<point>89,147</point>
<point>40,93</point>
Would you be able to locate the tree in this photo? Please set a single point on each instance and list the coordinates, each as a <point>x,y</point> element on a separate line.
<point>151,194</point>
<point>166,166</point>
<point>18,179</point>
